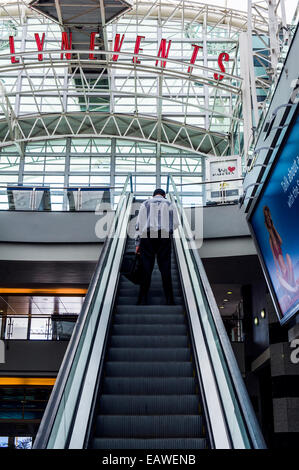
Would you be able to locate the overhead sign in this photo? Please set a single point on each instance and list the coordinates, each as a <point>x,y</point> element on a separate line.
<point>274,224</point>
<point>163,51</point>
<point>224,175</point>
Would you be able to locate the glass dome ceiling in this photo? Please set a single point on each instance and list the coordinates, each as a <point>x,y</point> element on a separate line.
<point>193,108</point>
<point>80,121</point>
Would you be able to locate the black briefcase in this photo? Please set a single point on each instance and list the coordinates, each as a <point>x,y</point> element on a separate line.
<point>131,267</point>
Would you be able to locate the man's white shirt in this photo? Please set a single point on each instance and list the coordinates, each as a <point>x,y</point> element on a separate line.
<point>156,214</point>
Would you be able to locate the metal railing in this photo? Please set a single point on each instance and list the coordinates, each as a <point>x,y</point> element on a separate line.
<point>231,420</point>
<point>95,198</point>
<point>37,327</point>
<point>55,198</point>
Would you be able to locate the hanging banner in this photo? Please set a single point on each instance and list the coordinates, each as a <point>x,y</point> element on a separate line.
<point>225,177</point>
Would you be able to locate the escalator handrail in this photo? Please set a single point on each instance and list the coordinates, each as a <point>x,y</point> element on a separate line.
<point>82,415</point>
<point>50,413</point>
<point>244,402</point>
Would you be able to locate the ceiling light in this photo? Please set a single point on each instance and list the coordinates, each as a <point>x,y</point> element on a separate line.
<point>229,292</point>
<point>256,321</point>
<point>225,300</point>
<point>263,313</point>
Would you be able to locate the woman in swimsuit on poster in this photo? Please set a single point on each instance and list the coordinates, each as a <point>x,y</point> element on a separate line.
<point>285,272</point>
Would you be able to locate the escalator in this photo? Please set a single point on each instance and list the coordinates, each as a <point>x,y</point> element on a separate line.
<point>149,397</point>
<point>149,377</point>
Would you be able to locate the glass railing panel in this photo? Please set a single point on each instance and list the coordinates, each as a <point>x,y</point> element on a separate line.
<point>34,327</point>
<point>56,198</point>
<point>62,329</point>
<point>40,329</point>
<point>72,378</point>
<point>69,399</point>
<point>230,400</point>
<point>16,328</point>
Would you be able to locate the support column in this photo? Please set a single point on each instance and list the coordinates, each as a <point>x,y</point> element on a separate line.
<point>22,164</point>
<point>66,171</point>
<point>112,170</point>
<point>247,109</point>
<point>273,34</point>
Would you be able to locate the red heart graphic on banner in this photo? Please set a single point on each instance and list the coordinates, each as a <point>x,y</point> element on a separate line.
<point>231,168</point>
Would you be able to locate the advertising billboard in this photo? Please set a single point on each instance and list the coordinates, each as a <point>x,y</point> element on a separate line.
<point>274,224</point>
<point>225,177</point>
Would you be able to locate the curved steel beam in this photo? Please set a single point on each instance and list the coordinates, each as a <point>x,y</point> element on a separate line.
<point>123,126</point>
<point>193,11</point>
<point>50,59</point>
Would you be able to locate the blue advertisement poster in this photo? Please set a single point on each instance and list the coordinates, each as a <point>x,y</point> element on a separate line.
<point>275,223</point>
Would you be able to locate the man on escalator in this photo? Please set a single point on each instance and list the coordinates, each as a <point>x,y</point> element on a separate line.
<point>156,222</point>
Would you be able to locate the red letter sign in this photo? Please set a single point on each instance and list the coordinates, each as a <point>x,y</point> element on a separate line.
<point>40,44</point>
<point>162,52</point>
<point>137,49</point>
<point>66,45</point>
<point>194,56</point>
<point>91,45</point>
<point>12,50</point>
<point>117,46</point>
<point>223,56</point>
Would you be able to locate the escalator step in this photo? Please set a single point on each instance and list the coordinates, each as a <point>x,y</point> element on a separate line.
<point>149,385</point>
<point>149,341</point>
<point>149,426</point>
<point>158,280</point>
<point>153,300</point>
<point>156,276</point>
<point>133,292</point>
<point>149,369</point>
<point>149,404</point>
<point>148,354</point>
<point>144,309</point>
<point>182,443</point>
<point>156,284</point>
<point>148,319</point>
<point>140,330</point>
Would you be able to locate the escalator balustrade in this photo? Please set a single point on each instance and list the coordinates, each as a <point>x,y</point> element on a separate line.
<point>149,396</point>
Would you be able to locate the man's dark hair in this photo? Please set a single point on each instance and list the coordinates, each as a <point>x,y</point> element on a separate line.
<point>159,191</point>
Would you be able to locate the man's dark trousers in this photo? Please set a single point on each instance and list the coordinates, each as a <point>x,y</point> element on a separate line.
<point>150,247</point>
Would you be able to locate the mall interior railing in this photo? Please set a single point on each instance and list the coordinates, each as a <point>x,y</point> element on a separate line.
<point>37,327</point>
<point>97,198</point>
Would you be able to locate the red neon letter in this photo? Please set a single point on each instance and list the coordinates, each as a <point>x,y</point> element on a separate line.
<point>92,44</point>
<point>117,46</point>
<point>40,44</point>
<point>194,56</point>
<point>12,50</point>
<point>163,52</point>
<point>223,56</point>
<point>137,49</point>
<point>66,45</point>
